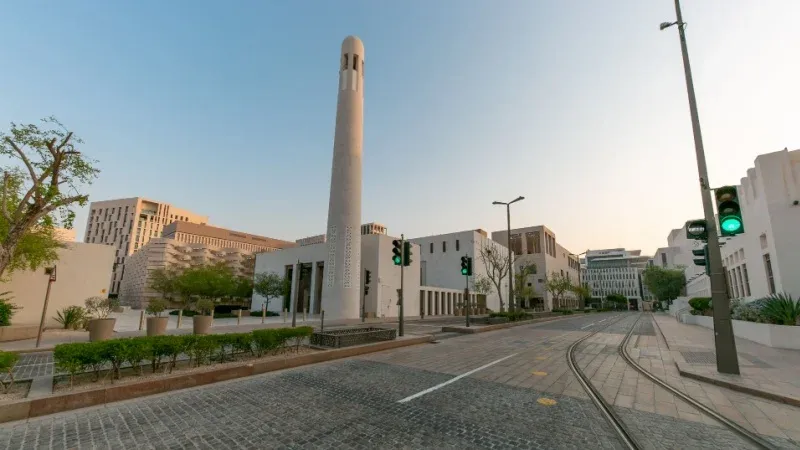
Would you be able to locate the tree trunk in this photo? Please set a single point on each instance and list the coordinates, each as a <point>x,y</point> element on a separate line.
<point>8,247</point>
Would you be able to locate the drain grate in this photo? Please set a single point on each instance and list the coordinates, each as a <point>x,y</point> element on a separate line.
<point>700,357</point>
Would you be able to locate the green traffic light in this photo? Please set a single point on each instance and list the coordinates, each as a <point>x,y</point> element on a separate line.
<point>731,224</point>
<point>463,271</point>
<point>396,259</point>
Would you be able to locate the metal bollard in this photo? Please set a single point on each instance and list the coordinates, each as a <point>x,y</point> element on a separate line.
<point>180,317</point>
<point>263,312</point>
<point>239,318</point>
<point>285,314</point>
<point>322,321</point>
<point>141,320</point>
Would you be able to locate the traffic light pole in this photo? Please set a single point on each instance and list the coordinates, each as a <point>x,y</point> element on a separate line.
<point>466,297</point>
<point>727,358</point>
<point>400,300</point>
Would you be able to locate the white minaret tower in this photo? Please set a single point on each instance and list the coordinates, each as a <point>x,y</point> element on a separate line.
<point>343,264</point>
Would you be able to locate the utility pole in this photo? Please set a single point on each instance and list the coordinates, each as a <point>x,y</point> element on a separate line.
<point>511,301</point>
<point>727,358</point>
<point>296,293</point>
<point>466,297</point>
<point>51,278</point>
<point>402,267</point>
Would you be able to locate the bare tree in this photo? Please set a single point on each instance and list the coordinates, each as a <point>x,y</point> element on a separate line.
<point>496,264</point>
<point>558,285</point>
<point>44,179</point>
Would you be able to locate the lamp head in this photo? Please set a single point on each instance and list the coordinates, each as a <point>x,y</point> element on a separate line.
<point>665,25</point>
<point>498,203</point>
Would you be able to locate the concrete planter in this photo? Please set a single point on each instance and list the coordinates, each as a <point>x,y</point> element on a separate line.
<point>202,324</point>
<point>775,336</point>
<point>156,326</point>
<point>101,329</point>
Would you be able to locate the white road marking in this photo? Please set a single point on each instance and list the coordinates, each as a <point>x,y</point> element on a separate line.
<point>452,380</point>
<point>603,320</point>
<point>587,326</point>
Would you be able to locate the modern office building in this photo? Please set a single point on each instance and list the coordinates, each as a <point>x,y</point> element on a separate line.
<point>617,271</point>
<point>539,247</point>
<point>187,245</point>
<point>128,224</point>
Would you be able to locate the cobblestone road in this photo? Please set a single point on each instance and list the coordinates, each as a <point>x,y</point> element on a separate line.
<point>520,402</point>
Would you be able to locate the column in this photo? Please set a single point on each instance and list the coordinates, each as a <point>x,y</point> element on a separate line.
<point>314,299</point>
<point>295,286</point>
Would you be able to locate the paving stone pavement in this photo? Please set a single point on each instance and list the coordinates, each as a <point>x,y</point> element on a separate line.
<point>354,403</point>
<point>624,387</point>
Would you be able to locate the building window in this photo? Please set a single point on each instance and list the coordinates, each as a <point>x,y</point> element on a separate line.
<point>664,260</point>
<point>746,280</point>
<point>770,278</point>
<point>431,247</point>
<point>444,246</point>
<point>355,62</point>
<point>458,247</point>
<point>344,61</point>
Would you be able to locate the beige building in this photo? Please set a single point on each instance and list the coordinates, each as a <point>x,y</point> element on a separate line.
<point>128,224</point>
<point>82,271</point>
<point>185,245</point>
<point>537,245</point>
<point>366,229</point>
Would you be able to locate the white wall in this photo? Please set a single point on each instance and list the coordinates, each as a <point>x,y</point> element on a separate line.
<point>83,271</point>
<point>443,268</point>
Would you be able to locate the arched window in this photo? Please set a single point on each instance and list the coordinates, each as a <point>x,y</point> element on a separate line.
<point>345,64</point>
<point>355,62</point>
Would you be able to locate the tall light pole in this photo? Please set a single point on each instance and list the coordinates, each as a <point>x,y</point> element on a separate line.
<point>511,302</point>
<point>727,359</point>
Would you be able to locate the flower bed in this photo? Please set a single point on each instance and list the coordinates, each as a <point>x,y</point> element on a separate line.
<point>89,362</point>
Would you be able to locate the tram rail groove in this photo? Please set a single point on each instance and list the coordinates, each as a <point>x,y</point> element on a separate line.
<point>731,425</point>
<point>605,409</point>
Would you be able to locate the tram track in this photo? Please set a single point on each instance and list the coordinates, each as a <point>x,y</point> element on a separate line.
<point>609,413</point>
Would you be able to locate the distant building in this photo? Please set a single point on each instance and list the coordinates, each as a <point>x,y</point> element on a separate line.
<point>617,271</point>
<point>128,224</point>
<point>537,245</point>
<point>187,245</point>
<point>367,228</point>
<point>65,234</point>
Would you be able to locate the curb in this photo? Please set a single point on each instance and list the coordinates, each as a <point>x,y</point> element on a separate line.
<point>740,388</point>
<point>35,407</point>
<point>501,326</point>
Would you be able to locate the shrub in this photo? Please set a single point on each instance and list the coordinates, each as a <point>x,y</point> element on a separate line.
<point>512,316</point>
<point>7,309</point>
<point>7,362</point>
<point>700,304</point>
<point>202,347</point>
<point>137,350</point>
<point>204,307</point>
<point>186,313</point>
<point>71,317</point>
<point>265,341</point>
<point>225,315</point>
<point>156,307</point>
<point>781,309</point>
<point>750,312</point>
<point>100,307</point>
<point>257,313</point>
<point>113,351</point>
<point>566,312</point>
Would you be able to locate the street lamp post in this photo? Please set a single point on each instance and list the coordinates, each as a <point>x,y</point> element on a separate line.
<point>511,302</point>
<point>727,359</point>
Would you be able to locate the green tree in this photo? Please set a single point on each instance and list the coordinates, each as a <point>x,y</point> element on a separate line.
<point>243,289</point>
<point>617,300</point>
<point>521,289</point>
<point>163,281</point>
<point>558,285</point>
<point>584,292</point>
<point>206,282</point>
<point>271,285</point>
<point>664,284</point>
<point>41,184</point>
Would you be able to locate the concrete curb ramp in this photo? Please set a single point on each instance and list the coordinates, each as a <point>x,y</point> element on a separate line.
<point>769,395</point>
<point>29,408</point>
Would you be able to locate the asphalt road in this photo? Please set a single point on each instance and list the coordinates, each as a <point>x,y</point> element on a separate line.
<point>503,389</point>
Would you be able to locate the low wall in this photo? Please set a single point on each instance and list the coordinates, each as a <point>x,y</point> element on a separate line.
<point>775,336</point>
<point>18,332</point>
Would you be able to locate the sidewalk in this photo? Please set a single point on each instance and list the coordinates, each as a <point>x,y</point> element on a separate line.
<point>667,359</point>
<point>766,372</point>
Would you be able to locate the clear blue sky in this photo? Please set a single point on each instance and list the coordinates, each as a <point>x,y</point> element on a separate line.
<point>227,108</point>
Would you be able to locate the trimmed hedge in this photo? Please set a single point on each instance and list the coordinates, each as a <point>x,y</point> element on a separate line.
<point>512,316</point>
<point>163,351</point>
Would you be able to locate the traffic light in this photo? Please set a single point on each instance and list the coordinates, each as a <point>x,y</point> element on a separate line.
<point>407,253</point>
<point>367,277</point>
<point>697,230</point>
<point>729,210</point>
<point>466,266</point>
<point>397,257</point>
<point>701,256</point>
